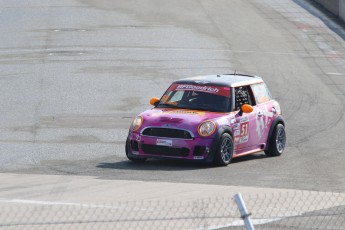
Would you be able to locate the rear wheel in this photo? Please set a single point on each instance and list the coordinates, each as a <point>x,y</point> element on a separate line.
<point>224,150</point>
<point>277,141</point>
<point>134,159</point>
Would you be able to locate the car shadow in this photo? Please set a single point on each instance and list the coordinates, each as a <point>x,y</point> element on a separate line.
<point>155,164</point>
<point>250,157</point>
<point>171,164</point>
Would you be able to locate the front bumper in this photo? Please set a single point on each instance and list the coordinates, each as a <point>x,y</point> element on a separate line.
<point>140,146</point>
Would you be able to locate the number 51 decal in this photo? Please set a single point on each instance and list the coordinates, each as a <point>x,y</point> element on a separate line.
<point>242,134</point>
<point>244,129</point>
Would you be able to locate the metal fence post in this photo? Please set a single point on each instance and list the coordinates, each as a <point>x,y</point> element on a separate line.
<point>243,210</point>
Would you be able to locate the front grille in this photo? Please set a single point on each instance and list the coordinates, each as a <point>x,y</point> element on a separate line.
<point>166,132</point>
<point>165,150</point>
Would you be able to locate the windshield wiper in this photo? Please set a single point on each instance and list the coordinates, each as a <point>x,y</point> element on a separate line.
<point>168,105</point>
<point>199,108</point>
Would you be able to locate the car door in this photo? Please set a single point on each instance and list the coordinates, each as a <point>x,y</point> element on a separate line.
<point>265,111</point>
<point>244,123</point>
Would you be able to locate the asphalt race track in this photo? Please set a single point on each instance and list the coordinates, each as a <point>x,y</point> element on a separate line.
<point>73,74</point>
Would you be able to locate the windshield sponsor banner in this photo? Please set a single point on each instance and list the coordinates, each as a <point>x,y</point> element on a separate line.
<point>177,111</point>
<point>218,90</point>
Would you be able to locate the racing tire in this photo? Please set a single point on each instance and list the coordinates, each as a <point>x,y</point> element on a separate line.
<point>224,151</point>
<point>134,159</point>
<point>277,141</point>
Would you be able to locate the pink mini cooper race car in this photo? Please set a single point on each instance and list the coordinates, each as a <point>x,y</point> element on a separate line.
<point>209,118</point>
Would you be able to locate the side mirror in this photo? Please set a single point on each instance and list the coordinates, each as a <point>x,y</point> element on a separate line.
<point>154,101</point>
<point>247,108</point>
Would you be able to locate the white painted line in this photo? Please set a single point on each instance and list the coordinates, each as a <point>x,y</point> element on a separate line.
<point>265,221</point>
<point>336,74</point>
<point>55,203</point>
<point>241,223</point>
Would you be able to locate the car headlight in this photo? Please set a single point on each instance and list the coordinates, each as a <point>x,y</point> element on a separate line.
<point>137,123</point>
<point>207,128</point>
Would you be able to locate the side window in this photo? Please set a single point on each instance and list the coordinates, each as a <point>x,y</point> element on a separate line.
<point>261,93</point>
<point>242,96</point>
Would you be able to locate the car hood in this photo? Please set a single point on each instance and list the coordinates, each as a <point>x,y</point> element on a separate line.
<point>177,118</point>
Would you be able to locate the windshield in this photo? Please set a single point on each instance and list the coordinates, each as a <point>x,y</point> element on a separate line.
<point>199,97</point>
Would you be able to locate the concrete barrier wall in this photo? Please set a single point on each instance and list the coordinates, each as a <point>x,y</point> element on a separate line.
<point>342,9</point>
<point>331,5</point>
<point>337,7</point>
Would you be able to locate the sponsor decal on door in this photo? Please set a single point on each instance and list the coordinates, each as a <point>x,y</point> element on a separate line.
<point>242,134</point>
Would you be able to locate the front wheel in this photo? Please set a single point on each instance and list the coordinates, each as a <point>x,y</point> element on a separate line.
<point>277,141</point>
<point>224,150</point>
